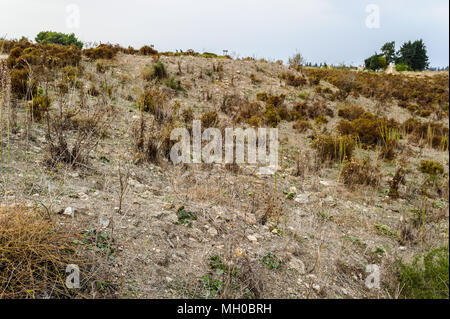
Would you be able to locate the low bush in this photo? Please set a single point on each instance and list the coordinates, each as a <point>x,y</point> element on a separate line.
<point>103,51</point>
<point>352,112</point>
<point>49,37</point>
<point>360,172</point>
<point>427,277</point>
<point>39,106</point>
<point>335,148</point>
<point>147,50</point>
<point>209,119</point>
<point>431,168</point>
<point>34,255</point>
<point>302,126</point>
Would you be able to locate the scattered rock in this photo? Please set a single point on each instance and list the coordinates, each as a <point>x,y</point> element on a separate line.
<point>104,221</point>
<point>325,183</point>
<point>172,218</point>
<point>302,199</point>
<point>212,231</point>
<point>297,265</point>
<point>168,279</point>
<point>252,238</point>
<point>69,211</point>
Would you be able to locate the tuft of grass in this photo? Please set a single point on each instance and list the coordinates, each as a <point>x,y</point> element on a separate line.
<point>427,277</point>
<point>34,255</point>
<point>431,168</point>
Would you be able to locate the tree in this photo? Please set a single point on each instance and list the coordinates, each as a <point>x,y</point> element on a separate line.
<point>376,62</point>
<point>50,37</point>
<point>296,61</point>
<point>414,54</point>
<point>388,50</point>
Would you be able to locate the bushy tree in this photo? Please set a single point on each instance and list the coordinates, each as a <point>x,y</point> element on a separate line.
<point>388,50</point>
<point>376,62</point>
<point>50,37</point>
<point>296,61</point>
<point>414,54</point>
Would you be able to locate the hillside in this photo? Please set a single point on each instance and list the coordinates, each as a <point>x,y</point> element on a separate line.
<point>362,177</point>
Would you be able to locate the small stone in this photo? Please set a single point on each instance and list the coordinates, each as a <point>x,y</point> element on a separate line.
<point>302,199</point>
<point>252,238</point>
<point>172,218</point>
<point>298,265</point>
<point>325,183</point>
<point>69,211</point>
<point>104,221</point>
<point>212,231</point>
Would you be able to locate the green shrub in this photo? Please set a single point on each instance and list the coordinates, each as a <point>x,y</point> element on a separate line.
<point>159,70</point>
<point>39,106</point>
<point>431,168</point>
<point>262,96</point>
<point>321,120</point>
<point>402,67</point>
<point>376,62</point>
<point>50,37</point>
<point>427,277</point>
<point>334,148</point>
<point>271,116</point>
<point>209,119</point>
<point>174,84</point>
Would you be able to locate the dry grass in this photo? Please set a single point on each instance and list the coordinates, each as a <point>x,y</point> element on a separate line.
<point>34,254</point>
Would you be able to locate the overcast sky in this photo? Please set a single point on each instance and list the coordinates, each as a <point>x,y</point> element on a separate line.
<point>334,31</point>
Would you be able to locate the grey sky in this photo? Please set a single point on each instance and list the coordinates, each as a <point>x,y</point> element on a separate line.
<point>322,30</point>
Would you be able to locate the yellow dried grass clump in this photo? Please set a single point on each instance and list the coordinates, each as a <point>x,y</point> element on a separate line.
<point>34,255</point>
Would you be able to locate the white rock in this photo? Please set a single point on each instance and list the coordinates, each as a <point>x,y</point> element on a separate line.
<point>302,199</point>
<point>252,238</point>
<point>298,265</point>
<point>169,279</point>
<point>212,231</point>
<point>325,183</point>
<point>69,211</point>
<point>104,221</point>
